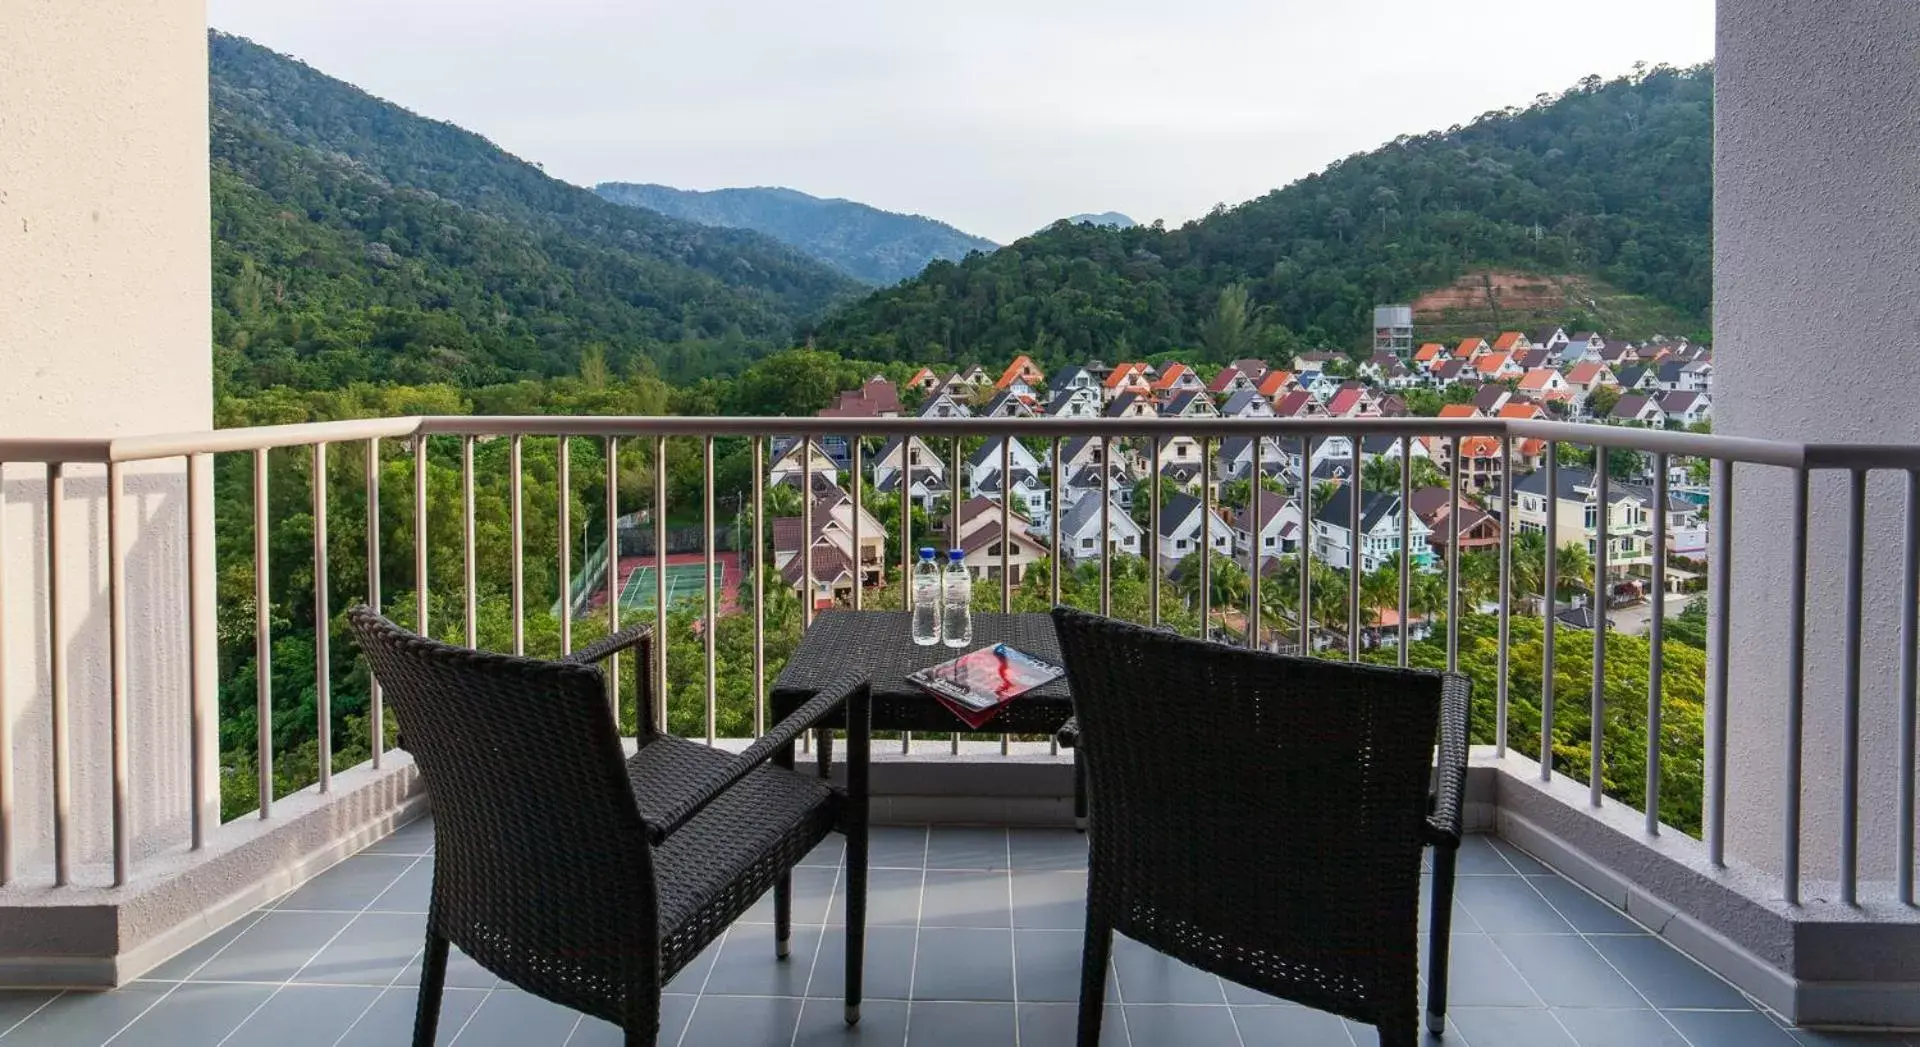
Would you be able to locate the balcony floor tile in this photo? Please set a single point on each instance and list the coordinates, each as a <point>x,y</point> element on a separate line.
<point>973,934</point>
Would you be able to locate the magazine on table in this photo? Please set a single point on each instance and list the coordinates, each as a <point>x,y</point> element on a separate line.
<point>976,684</point>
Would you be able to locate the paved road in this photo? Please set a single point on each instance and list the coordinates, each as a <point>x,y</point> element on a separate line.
<point>1637,619</point>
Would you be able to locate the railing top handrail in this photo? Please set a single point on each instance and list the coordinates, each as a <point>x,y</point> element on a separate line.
<point>1781,453</point>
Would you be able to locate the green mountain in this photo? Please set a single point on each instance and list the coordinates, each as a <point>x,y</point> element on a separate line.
<point>1611,181</point>
<point>866,243</point>
<point>1113,219</point>
<point>356,240</point>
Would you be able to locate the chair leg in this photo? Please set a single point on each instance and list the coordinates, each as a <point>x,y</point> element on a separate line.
<point>433,978</point>
<point>1439,938</point>
<point>1079,793</point>
<point>856,921</point>
<point>782,914</point>
<point>1094,956</point>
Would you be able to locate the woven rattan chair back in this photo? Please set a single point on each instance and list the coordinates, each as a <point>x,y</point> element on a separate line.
<point>1258,816</point>
<point>542,871</point>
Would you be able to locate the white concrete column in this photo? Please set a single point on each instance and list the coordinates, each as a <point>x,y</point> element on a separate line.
<point>105,288</point>
<point>1816,307</point>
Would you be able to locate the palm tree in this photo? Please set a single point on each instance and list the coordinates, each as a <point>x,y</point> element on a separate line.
<point>1479,578</point>
<point>1575,567</point>
<point>1528,570</point>
<point>1380,473</point>
<point>1428,596</point>
<point>1379,590</point>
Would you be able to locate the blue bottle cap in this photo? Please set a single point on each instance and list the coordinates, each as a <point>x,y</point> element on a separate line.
<point>955,555</point>
<point>926,552</point>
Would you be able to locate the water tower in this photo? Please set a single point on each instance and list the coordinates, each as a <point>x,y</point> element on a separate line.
<point>1393,330</point>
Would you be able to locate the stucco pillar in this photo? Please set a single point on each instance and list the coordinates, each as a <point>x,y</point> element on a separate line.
<point>1816,301</point>
<point>105,288</point>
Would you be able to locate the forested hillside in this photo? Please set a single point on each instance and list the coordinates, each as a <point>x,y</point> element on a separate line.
<point>354,240</point>
<point>866,243</point>
<point>1611,180</point>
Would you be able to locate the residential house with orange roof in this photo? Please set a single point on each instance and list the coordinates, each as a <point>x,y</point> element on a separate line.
<point>1471,348</point>
<point>1511,342</point>
<point>1543,382</point>
<point>1497,367</point>
<point>924,380</point>
<point>1460,411</point>
<point>1430,354</point>
<point>1176,378</point>
<point>1126,378</point>
<point>1586,376</point>
<point>1275,384</point>
<point>1022,369</point>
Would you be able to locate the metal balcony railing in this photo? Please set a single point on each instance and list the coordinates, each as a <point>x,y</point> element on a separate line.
<point>1145,437</point>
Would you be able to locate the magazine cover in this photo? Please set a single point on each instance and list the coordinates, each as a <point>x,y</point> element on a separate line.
<point>977,683</point>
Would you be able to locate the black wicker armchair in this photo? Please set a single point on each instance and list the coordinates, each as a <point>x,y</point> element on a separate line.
<point>580,875</point>
<point>1262,817</point>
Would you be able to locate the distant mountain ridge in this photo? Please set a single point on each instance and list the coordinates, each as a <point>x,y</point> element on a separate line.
<point>357,241</point>
<point>1110,219</point>
<point>873,246</point>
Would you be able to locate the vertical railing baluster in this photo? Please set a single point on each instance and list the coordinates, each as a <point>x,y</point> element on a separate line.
<point>203,672</point>
<point>1552,599</point>
<point>516,494</point>
<point>322,624</point>
<point>1597,708</point>
<point>1106,525</point>
<point>376,706</point>
<point>1054,509</point>
<point>1850,695</point>
<point>1656,644</point>
<point>1454,484</point>
<point>1206,540</point>
<point>712,602</point>
<point>1153,539</point>
<point>1720,569</point>
<point>760,585</point>
<point>859,555</point>
<point>906,542</point>
<point>659,644</point>
<point>1306,546</point>
<point>613,578</point>
<point>1255,522</point>
<point>806,534</point>
<point>262,638</point>
<point>1356,558</point>
<point>1501,700</point>
<point>1909,679</point>
<point>563,500</point>
<point>469,552</point>
<point>420,530</point>
<point>117,673</point>
<point>6,701</point>
<point>1796,692</point>
<point>1406,548</point>
<point>57,677</point>
<point>1006,530</point>
<point>953,542</point>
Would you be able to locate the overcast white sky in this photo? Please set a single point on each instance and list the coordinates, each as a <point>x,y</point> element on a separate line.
<point>995,115</point>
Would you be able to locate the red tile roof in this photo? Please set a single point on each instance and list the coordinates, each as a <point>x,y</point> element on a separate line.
<point>1273,382</point>
<point>1508,341</point>
<point>1459,411</point>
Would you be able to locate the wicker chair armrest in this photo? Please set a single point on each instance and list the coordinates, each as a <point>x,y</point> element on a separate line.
<point>612,644</point>
<point>1450,770</point>
<point>849,690</point>
<point>1069,733</point>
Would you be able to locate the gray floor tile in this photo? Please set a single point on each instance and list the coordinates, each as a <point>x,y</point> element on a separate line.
<point>960,1024</point>
<point>675,1011</point>
<point>1479,858</point>
<point>304,1014</point>
<point>736,1021</point>
<point>1730,1029</point>
<point>1186,1026</point>
<point>888,969</point>
<point>373,950</point>
<point>828,854</point>
<point>409,893</point>
<point>1509,1027</point>
<point>813,897</point>
<point>350,885</point>
<point>883,1023</point>
<point>1667,978</point>
<point>1812,1038</point>
<point>198,1013</point>
<point>966,847</point>
<point>893,897</point>
<point>957,963</point>
<point>1048,968</point>
<point>1286,1025</point>
<point>1148,976</point>
<point>1047,850</point>
<point>462,971</point>
<point>966,899</point>
<point>1463,921</point>
<point>896,847</point>
<point>415,837</point>
<point>1045,1024</point>
<point>1050,901</point>
<point>1565,971</point>
<point>188,960</point>
<point>1478,974</point>
<point>274,948</point>
<point>85,1018</point>
<point>1589,915</point>
<point>1605,1027</point>
<point>746,963</point>
<point>1522,862</point>
<point>390,1020</point>
<point>16,1005</point>
<point>511,1018</point>
<point>1508,905</point>
<point>694,975</point>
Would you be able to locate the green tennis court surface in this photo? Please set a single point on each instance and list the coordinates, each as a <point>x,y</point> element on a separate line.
<point>685,581</point>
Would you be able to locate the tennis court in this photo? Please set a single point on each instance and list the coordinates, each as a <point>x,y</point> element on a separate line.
<point>685,581</point>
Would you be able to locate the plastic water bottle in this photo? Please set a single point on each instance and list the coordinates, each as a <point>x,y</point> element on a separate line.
<point>956,602</point>
<point>926,599</point>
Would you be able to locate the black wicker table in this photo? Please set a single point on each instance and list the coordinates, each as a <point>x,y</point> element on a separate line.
<point>879,643</point>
